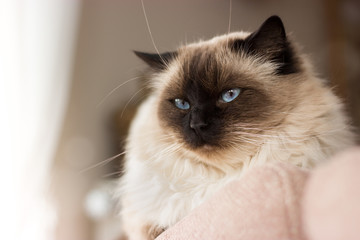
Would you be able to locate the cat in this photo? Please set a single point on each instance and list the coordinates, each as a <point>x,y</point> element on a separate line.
<point>217,108</point>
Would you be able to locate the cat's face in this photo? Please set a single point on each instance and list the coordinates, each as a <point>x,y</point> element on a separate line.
<point>225,92</point>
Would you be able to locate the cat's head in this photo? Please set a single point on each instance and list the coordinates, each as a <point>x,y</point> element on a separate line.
<point>226,92</point>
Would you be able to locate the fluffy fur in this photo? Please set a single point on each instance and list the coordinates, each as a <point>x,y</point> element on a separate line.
<point>283,113</point>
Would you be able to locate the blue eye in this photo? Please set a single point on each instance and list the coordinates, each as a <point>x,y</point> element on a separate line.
<point>230,95</point>
<point>181,104</point>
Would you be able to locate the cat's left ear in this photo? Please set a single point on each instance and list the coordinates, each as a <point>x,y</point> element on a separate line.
<point>271,43</point>
<point>270,37</point>
<point>156,61</point>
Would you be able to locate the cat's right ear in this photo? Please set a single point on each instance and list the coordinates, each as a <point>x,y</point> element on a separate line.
<point>156,61</point>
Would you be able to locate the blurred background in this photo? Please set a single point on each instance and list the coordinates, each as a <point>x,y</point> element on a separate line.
<point>74,88</point>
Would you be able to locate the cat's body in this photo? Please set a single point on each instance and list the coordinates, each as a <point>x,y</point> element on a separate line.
<point>217,108</point>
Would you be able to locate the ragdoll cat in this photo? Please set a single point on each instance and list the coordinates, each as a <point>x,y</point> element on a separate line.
<point>218,107</point>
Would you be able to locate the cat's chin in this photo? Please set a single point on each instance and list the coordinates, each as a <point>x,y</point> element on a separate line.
<point>211,157</point>
<point>204,152</point>
<point>205,149</point>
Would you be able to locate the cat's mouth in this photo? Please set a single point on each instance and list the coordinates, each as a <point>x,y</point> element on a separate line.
<point>201,141</point>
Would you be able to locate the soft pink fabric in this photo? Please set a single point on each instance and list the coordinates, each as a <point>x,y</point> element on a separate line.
<point>332,199</point>
<point>279,201</point>
<point>263,204</point>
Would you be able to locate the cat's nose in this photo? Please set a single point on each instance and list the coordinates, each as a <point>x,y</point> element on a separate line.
<point>198,121</point>
<point>198,125</point>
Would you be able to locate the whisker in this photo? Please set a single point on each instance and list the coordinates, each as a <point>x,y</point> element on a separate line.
<point>230,12</point>
<point>260,135</point>
<point>112,91</point>
<point>247,150</point>
<point>167,150</point>
<point>104,162</point>
<point>151,35</point>
<point>140,99</point>
<point>280,142</point>
<point>122,112</point>
<point>268,139</point>
<point>112,174</point>
<point>164,136</point>
<point>277,130</point>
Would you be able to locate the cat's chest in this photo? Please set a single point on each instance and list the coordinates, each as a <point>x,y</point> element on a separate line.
<point>165,196</point>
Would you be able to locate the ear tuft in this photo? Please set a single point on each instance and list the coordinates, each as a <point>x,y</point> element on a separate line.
<point>156,61</point>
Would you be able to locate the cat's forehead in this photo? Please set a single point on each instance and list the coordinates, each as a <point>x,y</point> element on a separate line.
<point>212,67</point>
<point>209,65</point>
<point>218,40</point>
<point>204,68</point>
<point>207,52</point>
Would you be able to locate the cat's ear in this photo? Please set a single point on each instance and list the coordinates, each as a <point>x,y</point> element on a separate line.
<point>156,61</point>
<point>270,37</point>
<point>271,43</point>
